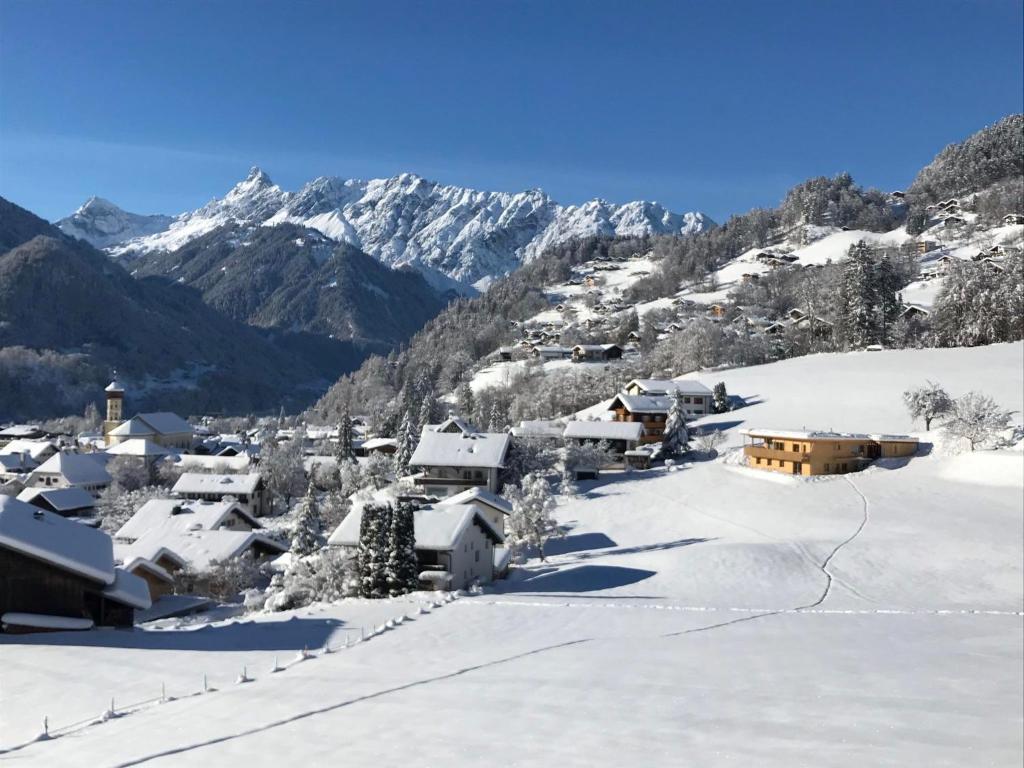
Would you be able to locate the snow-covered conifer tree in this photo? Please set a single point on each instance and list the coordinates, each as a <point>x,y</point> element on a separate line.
<point>531,523</point>
<point>927,402</point>
<point>374,535</point>
<point>307,537</point>
<point>408,437</point>
<point>345,450</point>
<point>721,398</point>
<point>402,568</point>
<point>676,438</point>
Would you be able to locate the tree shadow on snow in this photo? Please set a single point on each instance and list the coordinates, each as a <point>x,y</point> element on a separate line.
<point>583,578</point>
<point>291,635</point>
<point>578,542</point>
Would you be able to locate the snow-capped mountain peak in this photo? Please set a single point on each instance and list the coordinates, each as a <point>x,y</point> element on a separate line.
<point>447,232</point>
<point>103,223</point>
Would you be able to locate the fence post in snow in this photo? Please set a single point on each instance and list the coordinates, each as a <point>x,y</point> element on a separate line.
<point>46,726</point>
<point>206,686</point>
<point>163,692</point>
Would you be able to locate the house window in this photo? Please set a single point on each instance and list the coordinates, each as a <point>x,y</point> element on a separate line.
<point>844,467</point>
<point>757,460</point>
<point>826,467</point>
<point>478,556</point>
<point>796,447</point>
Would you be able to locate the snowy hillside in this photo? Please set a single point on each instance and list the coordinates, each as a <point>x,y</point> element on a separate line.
<point>102,223</point>
<point>731,616</point>
<point>448,231</point>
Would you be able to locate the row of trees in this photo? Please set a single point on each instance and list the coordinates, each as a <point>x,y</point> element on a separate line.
<point>974,417</point>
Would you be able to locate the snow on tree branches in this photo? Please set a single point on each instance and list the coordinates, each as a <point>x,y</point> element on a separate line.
<point>976,418</point>
<point>531,523</point>
<point>402,568</point>
<point>676,439</point>
<point>307,537</point>
<point>927,402</point>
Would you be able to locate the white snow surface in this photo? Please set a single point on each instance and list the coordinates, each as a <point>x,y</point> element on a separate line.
<point>448,232</point>
<point>713,615</point>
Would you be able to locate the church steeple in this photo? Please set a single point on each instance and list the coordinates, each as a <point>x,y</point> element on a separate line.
<point>115,406</point>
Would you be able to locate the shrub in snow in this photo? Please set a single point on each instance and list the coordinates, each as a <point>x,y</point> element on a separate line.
<point>130,472</point>
<point>976,418</point>
<point>531,523</point>
<point>927,402</point>
<point>324,577</point>
<point>224,580</point>
<point>708,441</point>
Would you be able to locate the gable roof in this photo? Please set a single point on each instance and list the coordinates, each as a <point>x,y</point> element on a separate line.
<point>165,422</point>
<point>437,529</point>
<point>478,496</point>
<point>59,499</point>
<point>454,422</point>
<point>76,468</point>
<point>56,540</point>
<point>182,516</point>
<point>34,448</point>
<point>198,549</point>
<point>664,386</point>
<point>138,446</point>
<point>223,485</point>
<point>642,403</point>
<point>604,430</point>
<point>445,449</point>
<point>128,589</point>
<point>17,462</point>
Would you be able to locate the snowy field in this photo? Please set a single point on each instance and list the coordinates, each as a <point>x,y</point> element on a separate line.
<point>710,616</point>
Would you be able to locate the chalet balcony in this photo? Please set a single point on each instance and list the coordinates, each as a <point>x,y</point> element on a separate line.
<point>760,452</point>
<point>468,483</point>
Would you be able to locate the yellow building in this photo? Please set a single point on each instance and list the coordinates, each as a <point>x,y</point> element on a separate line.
<point>821,453</point>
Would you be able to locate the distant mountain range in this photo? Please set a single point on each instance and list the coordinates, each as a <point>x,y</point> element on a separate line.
<point>452,235</point>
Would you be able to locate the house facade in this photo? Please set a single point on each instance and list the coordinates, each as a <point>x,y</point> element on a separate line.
<point>249,490</point>
<point>821,453</point>
<point>71,470</point>
<point>452,462</point>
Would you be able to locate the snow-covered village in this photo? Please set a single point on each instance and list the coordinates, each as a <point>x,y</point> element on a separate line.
<point>379,469</point>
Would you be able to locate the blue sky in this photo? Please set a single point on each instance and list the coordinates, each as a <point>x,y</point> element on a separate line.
<point>717,106</point>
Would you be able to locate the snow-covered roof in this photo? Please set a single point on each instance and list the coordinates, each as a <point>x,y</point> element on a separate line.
<point>437,529</point>
<point>604,430</point>
<point>56,540</point>
<point>664,386</point>
<point>143,564</point>
<point>226,464</point>
<point>197,482</point>
<point>128,589</point>
<point>60,499</point>
<point>803,434</point>
<point>453,421</point>
<point>138,446</point>
<point>642,403</point>
<point>478,496</point>
<point>17,462</point>
<point>165,422</point>
<point>538,428</point>
<point>181,515</point>
<point>198,549</point>
<point>379,442</point>
<point>76,468</point>
<point>20,430</point>
<point>454,449</point>
<point>158,423</point>
<point>596,347</point>
<point>34,448</point>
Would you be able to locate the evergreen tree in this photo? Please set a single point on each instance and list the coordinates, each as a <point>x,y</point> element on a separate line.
<point>675,440</point>
<point>856,315</point>
<point>373,550</point>
<point>307,537</point>
<point>495,423</point>
<point>721,398</point>
<point>402,570</point>
<point>426,412</point>
<point>345,452</point>
<point>465,399</point>
<point>408,439</point>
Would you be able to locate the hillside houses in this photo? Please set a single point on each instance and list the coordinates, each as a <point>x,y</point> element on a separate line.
<point>456,545</point>
<point>249,490</point>
<point>451,462</point>
<point>56,574</point>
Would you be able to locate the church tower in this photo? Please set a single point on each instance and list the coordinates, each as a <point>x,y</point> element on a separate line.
<point>115,407</point>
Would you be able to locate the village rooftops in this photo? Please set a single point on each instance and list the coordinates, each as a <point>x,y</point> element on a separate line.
<point>37,449</point>
<point>198,549</point>
<point>664,386</point>
<point>27,431</point>
<point>138,446</point>
<point>538,428</point>
<point>375,443</point>
<point>642,403</point>
<point>437,529</point>
<point>56,540</point>
<point>448,449</point>
<point>158,423</point>
<point>182,515</point>
<point>790,434</point>
<point>453,424</point>
<point>604,430</point>
<point>76,468</point>
<point>478,496</point>
<point>221,485</point>
<point>58,500</point>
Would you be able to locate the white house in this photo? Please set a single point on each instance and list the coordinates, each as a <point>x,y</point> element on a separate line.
<point>493,507</point>
<point>38,450</point>
<point>248,490</point>
<point>697,398</point>
<point>455,545</point>
<point>186,516</point>
<point>451,462</point>
<point>620,436</point>
<point>171,548</point>
<point>71,470</point>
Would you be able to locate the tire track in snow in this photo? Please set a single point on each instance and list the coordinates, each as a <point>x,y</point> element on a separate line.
<point>346,703</point>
